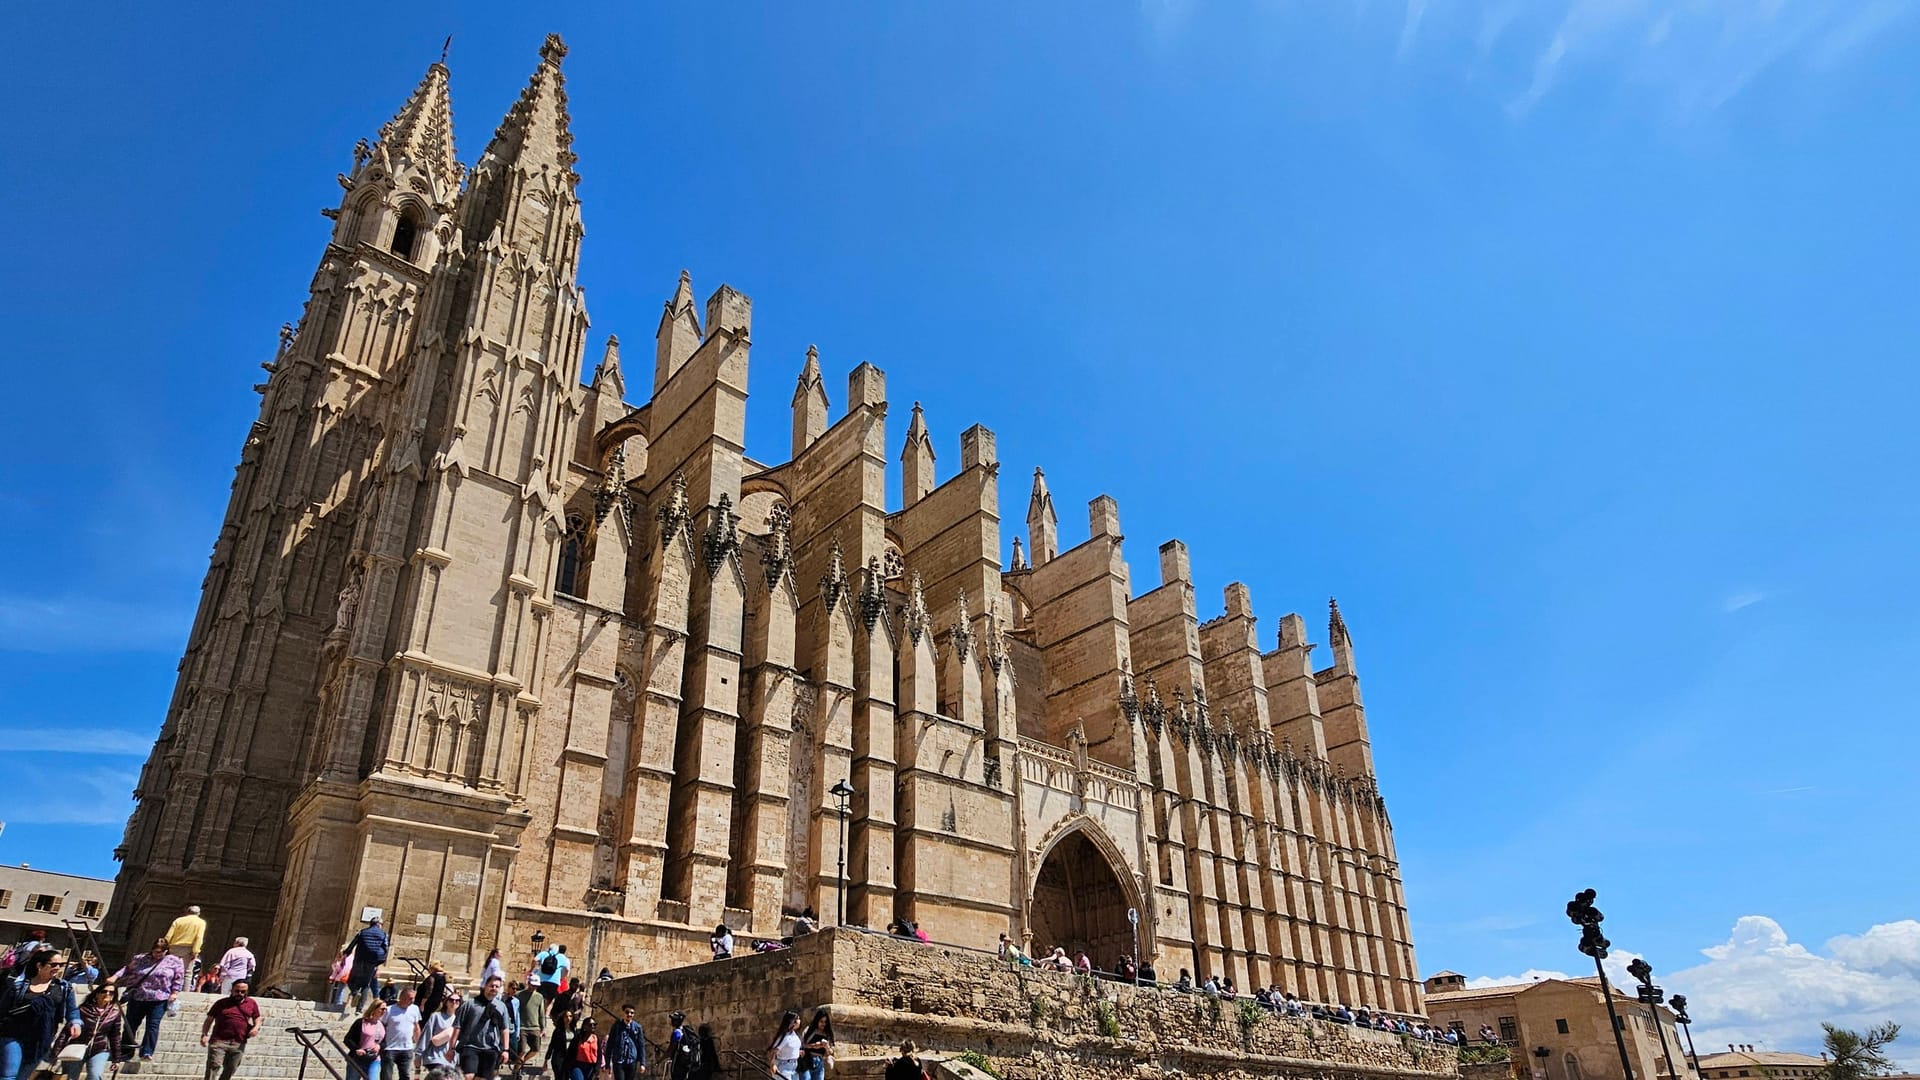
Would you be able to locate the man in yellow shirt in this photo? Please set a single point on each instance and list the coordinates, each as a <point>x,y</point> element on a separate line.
<point>186,935</point>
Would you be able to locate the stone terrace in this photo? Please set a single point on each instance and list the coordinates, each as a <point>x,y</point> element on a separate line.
<point>1030,1023</point>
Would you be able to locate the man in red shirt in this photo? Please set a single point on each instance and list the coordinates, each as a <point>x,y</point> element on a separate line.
<point>230,1023</point>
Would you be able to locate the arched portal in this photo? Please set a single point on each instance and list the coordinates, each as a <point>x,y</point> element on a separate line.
<point>1080,904</point>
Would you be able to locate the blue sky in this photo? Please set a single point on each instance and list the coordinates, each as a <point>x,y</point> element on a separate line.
<point>1569,342</point>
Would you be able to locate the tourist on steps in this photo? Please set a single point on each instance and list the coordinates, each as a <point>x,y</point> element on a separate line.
<point>533,1021</point>
<point>683,1047</point>
<point>493,968</point>
<point>551,969</point>
<point>907,1066</point>
<point>402,1024</point>
<point>152,979</point>
<point>436,1036</point>
<point>363,1040</point>
<point>235,964</point>
<point>369,949</point>
<point>432,989</point>
<point>187,934</point>
<point>586,1052</point>
<point>482,1029</point>
<point>231,1021</point>
<point>100,1030</point>
<point>33,1005</point>
<point>783,1053</point>
<point>626,1046</point>
<point>816,1046</point>
<point>721,942</point>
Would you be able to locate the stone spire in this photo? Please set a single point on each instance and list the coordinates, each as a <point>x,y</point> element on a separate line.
<point>1338,639</point>
<point>420,135</point>
<point>916,460</point>
<point>1043,525</point>
<point>609,367</point>
<point>809,404</point>
<point>679,333</point>
<point>537,130</point>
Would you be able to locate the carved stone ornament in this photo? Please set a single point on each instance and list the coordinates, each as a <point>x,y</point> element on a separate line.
<point>873,595</point>
<point>833,583</point>
<point>723,535</point>
<point>919,621</point>
<point>961,634</point>
<point>777,555</point>
<point>673,513</point>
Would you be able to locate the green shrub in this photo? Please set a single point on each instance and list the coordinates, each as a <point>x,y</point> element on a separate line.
<point>979,1061</point>
<point>1251,1013</point>
<point>1109,1019</point>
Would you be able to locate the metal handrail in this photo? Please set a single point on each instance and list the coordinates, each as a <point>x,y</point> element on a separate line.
<point>415,966</point>
<point>310,1040</point>
<point>754,1065</point>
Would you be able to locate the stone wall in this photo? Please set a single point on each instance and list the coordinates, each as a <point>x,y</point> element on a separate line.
<point>1030,1024</point>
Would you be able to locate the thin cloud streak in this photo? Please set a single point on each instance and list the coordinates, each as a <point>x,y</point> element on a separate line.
<point>88,623</point>
<point>55,739</point>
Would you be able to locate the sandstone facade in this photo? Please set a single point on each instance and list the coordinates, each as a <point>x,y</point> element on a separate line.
<point>494,652</point>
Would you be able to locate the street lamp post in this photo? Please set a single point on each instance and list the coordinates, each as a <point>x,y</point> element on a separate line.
<point>843,792</point>
<point>1678,1003</point>
<point>1582,913</point>
<point>1133,916</point>
<point>1652,996</point>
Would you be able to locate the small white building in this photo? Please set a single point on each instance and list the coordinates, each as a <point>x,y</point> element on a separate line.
<point>42,899</point>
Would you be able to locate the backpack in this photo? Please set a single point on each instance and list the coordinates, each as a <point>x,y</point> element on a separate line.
<point>688,1062</point>
<point>550,965</point>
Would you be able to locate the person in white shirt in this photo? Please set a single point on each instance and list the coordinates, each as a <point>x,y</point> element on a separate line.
<point>783,1054</point>
<point>402,1038</point>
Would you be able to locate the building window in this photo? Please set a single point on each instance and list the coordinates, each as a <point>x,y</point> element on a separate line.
<point>1573,1067</point>
<point>90,909</point>
<point>44,902</point>
<point>1560,1026</point>
<point>568,580</point>
<point>1509,1031</point>
<point>1619,1023</point>
<point>6,898</point>
<point>405,232</point>
<point>1743,1072</point>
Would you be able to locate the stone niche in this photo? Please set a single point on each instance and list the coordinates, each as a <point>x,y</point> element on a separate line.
<point>1030,1024</point>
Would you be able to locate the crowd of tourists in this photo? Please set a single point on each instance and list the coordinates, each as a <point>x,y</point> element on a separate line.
<point>60,1013</point>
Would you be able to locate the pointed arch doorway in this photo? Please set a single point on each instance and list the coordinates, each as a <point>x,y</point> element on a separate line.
<point>1080,903</point>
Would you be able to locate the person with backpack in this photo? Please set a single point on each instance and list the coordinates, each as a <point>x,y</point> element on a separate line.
<point>626,1048</point>
<point>683,1048</point>
<point>432,989</point>
<point>482,1029</point>
<point>33,1005</point>
<point>369,950</point>
<point>364,1039</point>
<point>552,967</point>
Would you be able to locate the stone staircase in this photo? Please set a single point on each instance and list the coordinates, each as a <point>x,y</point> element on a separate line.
<point>274,1054</point>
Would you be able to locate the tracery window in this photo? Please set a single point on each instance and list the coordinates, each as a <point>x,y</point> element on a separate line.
<point>572,544</point>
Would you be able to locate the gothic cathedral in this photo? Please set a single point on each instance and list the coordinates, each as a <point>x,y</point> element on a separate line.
<point>493,652</point>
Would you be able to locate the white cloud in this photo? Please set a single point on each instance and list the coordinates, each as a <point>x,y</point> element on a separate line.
<point>1700,54</point>
<point>72,797</point>
<point>59,739</point>
<point>1527,976</point>
<point>1761,987</point>
<point>90,623</point>
<point>1740,601</point>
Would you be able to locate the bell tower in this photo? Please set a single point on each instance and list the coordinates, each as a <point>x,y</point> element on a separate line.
<point>431,676</point>
<point>214,795</point>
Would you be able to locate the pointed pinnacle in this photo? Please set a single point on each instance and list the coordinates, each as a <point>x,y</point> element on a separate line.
<point>682,293</point>
<point>538,121</point>
<point>422,131</point>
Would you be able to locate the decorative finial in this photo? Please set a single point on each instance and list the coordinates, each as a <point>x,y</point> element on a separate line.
<point>553,50</point>
<point>444,46</point>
